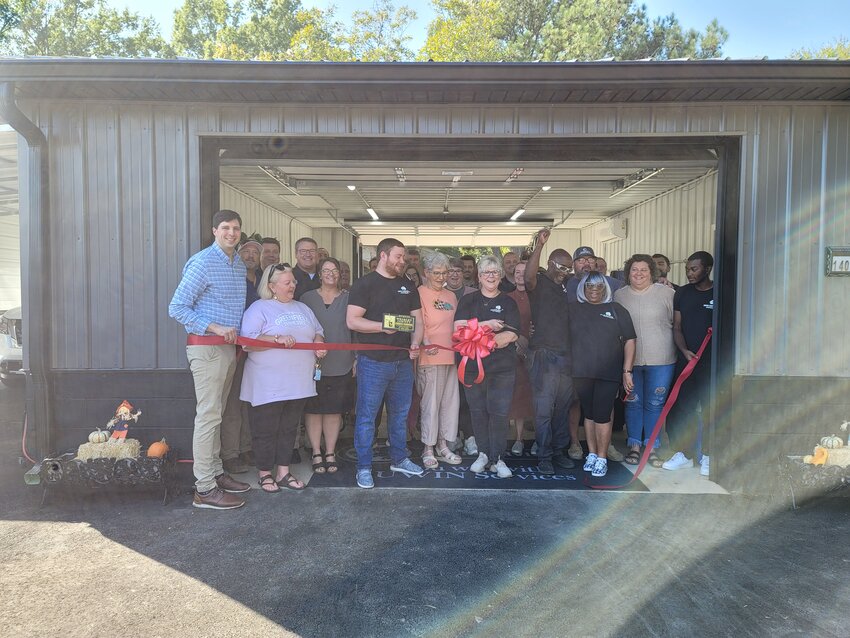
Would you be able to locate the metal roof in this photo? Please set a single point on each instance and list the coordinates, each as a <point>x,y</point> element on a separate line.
<point>429,82</point>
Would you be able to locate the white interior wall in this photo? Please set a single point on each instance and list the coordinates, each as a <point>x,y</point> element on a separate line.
<point>10,262</point>
<point>676,223</point>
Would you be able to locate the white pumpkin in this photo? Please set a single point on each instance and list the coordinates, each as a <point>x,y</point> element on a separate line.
<point>99,436</point>
<point>831,442</point>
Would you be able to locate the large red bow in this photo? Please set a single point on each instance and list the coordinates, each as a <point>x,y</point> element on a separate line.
<point>473,342</point>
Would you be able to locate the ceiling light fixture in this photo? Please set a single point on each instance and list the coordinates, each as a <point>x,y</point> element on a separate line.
<point>400,176</point>
<point>522,208</point>
<point>372,213</point>
<point>630,181</point>
<point>351,187</point>
<point>517,214</point>
<point>545,188</point>
<point>514,175</point>
<point>457,173</point>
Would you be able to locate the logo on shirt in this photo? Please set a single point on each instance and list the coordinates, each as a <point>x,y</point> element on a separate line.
<point>607,315</point>
<point>497,309</point>
<point>403,291</point>
<point>291,319</point>
<point>709,305</point>
<point>442,305</point>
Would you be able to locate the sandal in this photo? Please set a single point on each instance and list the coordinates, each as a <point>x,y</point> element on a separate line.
<point>654,460</point>
<point>268,480</point>
<point>447,456</point>
<point>331,465</point>
<point>633,457</point>
<point>429,462</point>
<point>318,468</point>
<point>288,481</point>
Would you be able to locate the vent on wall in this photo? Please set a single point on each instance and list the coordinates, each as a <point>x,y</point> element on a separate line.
<point>616,229</point>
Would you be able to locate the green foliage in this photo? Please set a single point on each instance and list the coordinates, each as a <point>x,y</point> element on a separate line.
<point>380,35</point>
<point>258,29</point>
<point>839,49</point>
<point>81,28</point>
<point>9,19</point>
<point>556,30</point>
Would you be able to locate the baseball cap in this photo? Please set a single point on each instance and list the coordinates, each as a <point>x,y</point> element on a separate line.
<point>583,251</point>
<point>252,242</point>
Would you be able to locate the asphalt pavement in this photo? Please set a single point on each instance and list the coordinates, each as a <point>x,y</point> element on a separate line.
<point>394,562</point>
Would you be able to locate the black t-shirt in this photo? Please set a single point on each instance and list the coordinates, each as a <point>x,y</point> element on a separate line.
<point>506,286</point>
<point>595,331</point>
<point>550,314</point>
<point>303,283</point>
<point>697,308</point>
<point>502,307</point>
<point>379,295</point>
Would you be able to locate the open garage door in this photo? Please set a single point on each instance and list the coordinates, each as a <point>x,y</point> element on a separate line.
<point>620,195</point>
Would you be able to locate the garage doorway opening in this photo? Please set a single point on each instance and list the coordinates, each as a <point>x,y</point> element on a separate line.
<point>465,191</point>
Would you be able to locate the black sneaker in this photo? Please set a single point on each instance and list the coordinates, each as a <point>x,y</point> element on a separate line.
<point>545,467</point>
<point>563,461</point>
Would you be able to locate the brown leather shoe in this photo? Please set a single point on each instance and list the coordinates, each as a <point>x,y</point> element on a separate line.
<point>230,484</point>
<point>217,499</point>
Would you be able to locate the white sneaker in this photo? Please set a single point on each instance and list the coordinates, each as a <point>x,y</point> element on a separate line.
<point>517,448</point>
<point>677,462</point>
<point>480,463</point>
<point>534,449</point>
<point>502,470</point>
<point>470,446</point>
<point>703,466</point>
<point>589,462</point>
<point>600,468</point>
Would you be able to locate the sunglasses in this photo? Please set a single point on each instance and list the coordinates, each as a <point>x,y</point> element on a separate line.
<point>283,266</point>
<point>561,267</point>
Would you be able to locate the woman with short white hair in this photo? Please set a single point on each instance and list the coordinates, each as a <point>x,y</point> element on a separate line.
<point>490,400</point>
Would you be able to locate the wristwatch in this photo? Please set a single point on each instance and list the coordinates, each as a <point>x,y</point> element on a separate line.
<point>629,371</point>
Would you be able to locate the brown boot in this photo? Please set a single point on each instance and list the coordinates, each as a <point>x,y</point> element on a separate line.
<point>230,484</point>
<point>217,499</point>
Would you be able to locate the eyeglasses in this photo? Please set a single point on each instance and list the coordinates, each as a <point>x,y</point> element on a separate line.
<point>561,267</point>
<point>594,286</point>
<point>491,273</point>
<point>334,271</point>
<point>438,273</point>
<point>283,266</point>
<point>455,271</point>
<point>307,251</point>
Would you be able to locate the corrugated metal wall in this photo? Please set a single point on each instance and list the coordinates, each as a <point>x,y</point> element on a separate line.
<point>126,209</point>
<point>676,224</point>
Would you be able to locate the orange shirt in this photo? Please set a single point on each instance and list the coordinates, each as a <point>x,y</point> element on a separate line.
<point>438,314</point>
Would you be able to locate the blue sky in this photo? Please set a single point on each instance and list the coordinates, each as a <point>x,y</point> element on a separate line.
<point>756,28</point>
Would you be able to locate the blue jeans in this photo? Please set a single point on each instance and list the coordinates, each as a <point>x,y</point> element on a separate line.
<point>374,380</point>
<point>646,402</point>
<point>553,396</point>
<point>489,404</point>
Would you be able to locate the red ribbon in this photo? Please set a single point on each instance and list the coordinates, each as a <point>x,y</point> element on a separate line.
<point>474,342</point>
<point>656,431</point>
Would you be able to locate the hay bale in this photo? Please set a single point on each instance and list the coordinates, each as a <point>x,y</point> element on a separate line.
<point>112,449</point>
<point>838,456</point>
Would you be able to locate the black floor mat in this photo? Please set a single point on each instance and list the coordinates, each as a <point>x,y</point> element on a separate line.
<point>526,475</point>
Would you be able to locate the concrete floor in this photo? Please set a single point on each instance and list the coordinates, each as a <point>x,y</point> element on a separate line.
<point>336,562</point>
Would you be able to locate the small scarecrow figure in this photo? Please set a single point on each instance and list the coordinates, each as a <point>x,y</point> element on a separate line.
<point>121,421</point>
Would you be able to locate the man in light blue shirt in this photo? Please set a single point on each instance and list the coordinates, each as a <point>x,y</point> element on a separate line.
<point>209,300</point>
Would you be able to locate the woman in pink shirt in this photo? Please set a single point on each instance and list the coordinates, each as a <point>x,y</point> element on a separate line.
<point>436,377</point>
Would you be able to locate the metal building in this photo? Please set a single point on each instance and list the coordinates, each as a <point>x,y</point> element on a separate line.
<point>122,164</point>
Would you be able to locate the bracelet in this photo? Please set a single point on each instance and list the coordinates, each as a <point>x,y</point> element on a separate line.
<point>275,339</point>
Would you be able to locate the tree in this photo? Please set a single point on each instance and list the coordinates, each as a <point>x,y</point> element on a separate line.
<point>839,48</point>
<point>320,37</point>
<point>82,28</point>
<point>9,19</point>
<point>260,29</point>
<point>465,30</point>
<point>553,30</point>
<point>380,35</point>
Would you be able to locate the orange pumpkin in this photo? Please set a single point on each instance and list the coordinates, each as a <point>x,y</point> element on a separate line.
<point>820,455</point>
<point>158,449</point>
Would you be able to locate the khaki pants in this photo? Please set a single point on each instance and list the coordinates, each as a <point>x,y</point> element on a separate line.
<point>438,387</point>
<point>212,370</point>
<point>235,429</point>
